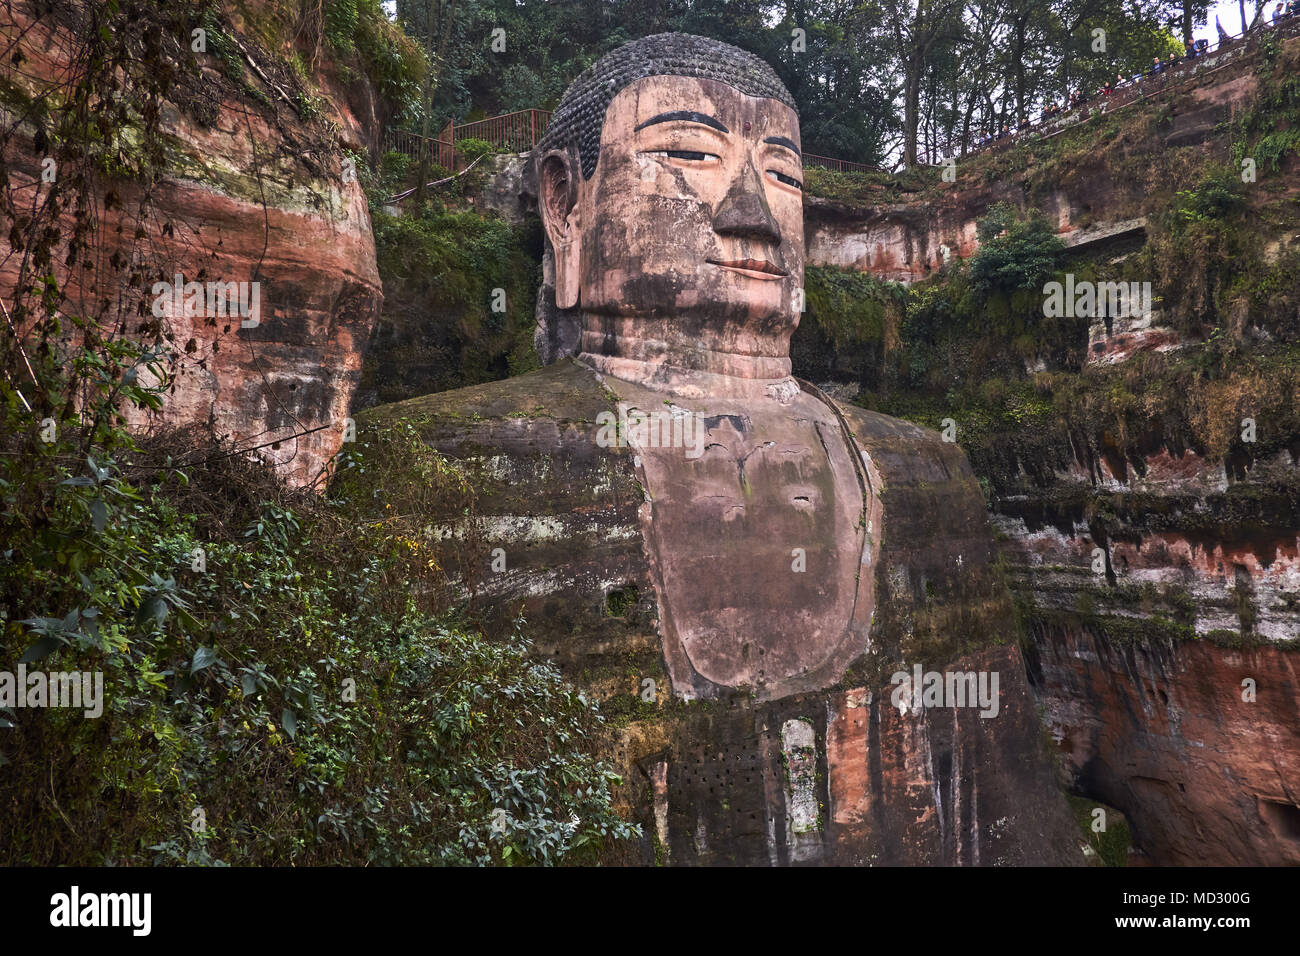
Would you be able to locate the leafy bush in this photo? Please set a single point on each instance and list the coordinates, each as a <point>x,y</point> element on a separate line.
<point>341,18</point>
<point>1218,196</point>
<point>298,699</point>
<point>395,63</point>
<point>471,149</point>
<point>1015,252</point>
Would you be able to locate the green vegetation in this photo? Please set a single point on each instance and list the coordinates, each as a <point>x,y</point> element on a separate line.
<point>459,295</point>
<point>971,68</point>
<point>1015,253</point>
<point>974,346</point>
<point>864,188</point>
<point>848,315</point>
<point>282,682</point>
<point>1269,133</point>
<point>291,41</point>
<point>284,677</point>
<point>1112,843</point>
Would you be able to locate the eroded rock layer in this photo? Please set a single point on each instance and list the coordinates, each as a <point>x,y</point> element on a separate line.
<point>1200,745</point>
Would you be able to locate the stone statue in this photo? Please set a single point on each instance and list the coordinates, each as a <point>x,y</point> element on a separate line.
<point>683,522</point>
<point>672,204</point>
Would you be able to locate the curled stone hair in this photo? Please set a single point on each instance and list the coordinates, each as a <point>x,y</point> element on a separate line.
<point>578,120</point>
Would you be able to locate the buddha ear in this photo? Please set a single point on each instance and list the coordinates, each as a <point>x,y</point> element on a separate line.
<point>557,199</point>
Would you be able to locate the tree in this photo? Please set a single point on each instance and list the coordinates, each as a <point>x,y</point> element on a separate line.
<point>983,22</point>
<point>1195,13</point>
<point>428,18</point>
<point>915,28</point>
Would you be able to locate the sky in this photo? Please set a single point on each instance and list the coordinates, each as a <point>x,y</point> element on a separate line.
<point>1229,12</point>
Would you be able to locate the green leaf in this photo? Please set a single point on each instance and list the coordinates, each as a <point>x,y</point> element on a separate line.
<point>203,657</point>
<point>289,721</point>
<point>248,683</point>
<point>41,649</point>
<point>99,514</point>
<point>153,609</point>
<point>187,619</point>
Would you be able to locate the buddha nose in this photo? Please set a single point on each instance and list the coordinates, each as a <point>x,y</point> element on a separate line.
<point>744,211</point>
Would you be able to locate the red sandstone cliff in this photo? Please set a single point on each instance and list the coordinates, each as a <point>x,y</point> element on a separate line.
<point>1207,771</point>
<point>254,189</point>
<point>1157,580</point>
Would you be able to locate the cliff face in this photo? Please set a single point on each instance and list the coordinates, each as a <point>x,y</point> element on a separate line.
<point>908,241</point>
<point>254,189</point>
<point>1171,732</point>
<point>1143,471</point>
<point>1164,612</point>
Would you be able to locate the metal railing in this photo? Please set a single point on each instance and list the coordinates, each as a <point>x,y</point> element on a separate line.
<point>517,132</point>
<point>439,152</point>
<point>839,165</point>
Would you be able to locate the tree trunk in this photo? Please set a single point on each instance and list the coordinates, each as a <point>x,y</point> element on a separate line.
<point>431,87</point>
<point>911,113</point>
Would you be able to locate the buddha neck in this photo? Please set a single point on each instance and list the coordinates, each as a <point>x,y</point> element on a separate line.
<point>693,372</point>
<point>692,383</point>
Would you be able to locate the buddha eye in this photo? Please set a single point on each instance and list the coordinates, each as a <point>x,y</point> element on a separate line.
<point>688,155</point>
<point>783,178</point>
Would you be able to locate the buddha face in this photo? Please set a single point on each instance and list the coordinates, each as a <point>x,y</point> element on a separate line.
<point>684,250</point>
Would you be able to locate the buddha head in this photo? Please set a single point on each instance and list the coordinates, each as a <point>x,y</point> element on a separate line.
<point>670,189</point>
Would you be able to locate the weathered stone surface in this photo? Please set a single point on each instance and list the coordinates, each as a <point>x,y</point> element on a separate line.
<point>710,775</point>
<point>1161,731</point>
<point>1134,657</point>
<point>729,560</point>
<point>1180,541</point>
<point>504,192</point>
<point>251,193</point>
<point>908,242</point>
<point>1152,577</point>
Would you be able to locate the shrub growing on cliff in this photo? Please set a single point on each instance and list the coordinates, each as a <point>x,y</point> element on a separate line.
<point>442,326</point>
<point>1016,252</point>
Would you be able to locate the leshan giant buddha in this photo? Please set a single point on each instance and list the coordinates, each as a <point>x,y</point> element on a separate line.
<point>732,562</point>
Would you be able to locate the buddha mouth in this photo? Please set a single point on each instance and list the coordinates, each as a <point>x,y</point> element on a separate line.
<point>754,268</point>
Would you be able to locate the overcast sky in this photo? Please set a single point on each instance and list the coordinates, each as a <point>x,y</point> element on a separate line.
<point>1229,13</point>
